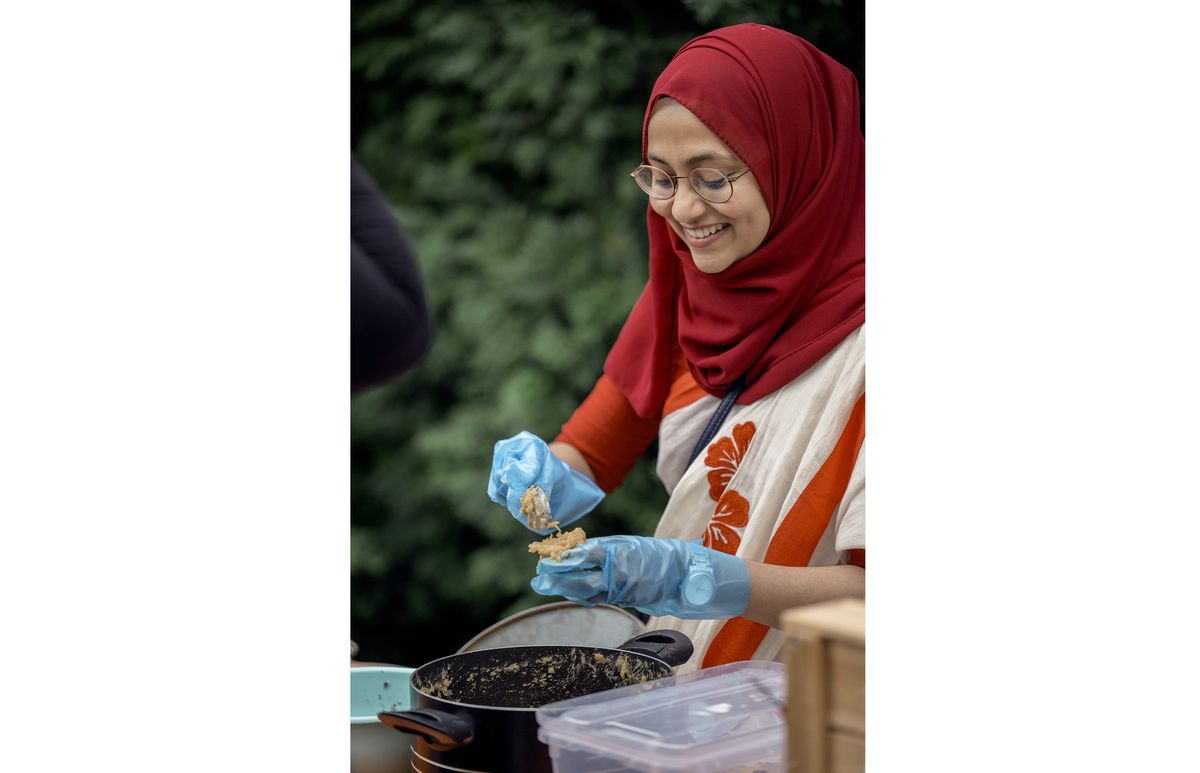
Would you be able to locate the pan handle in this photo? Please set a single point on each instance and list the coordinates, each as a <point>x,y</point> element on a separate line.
<point>442,730</point>
<point>672,647</point>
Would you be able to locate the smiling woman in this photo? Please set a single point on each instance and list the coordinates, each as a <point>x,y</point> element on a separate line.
<point>753,164</point>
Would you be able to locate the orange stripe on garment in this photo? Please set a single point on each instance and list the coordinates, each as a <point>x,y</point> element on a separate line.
<point>798,535</point>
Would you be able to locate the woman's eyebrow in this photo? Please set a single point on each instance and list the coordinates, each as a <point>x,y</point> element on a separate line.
<point>694,159</point>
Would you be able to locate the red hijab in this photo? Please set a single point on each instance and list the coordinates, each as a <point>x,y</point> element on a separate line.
<point>792,115</point>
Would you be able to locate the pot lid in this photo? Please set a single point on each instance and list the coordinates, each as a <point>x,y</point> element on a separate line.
<point>561,622</point>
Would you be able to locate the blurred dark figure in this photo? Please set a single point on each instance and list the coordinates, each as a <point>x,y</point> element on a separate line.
<point>390,328</point>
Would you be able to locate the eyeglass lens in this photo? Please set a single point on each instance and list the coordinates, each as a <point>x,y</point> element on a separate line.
<point>710,184</point>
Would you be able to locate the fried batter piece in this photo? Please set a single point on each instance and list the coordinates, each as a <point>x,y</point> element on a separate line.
<point>557,545</point>
<point>536,509</point>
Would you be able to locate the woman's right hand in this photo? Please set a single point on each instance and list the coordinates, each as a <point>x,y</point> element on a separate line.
<point>524,460</point>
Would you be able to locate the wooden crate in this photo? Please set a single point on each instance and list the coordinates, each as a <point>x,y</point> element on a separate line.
<point>826,687</point>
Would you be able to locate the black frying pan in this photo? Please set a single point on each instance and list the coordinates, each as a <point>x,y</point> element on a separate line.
<point>475,711</point>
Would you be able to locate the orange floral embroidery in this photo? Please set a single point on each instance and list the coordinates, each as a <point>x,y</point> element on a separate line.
<point>733,511</point>
<point>724,456</point>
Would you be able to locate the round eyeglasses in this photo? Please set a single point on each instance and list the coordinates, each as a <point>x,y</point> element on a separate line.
<point>712,185</point>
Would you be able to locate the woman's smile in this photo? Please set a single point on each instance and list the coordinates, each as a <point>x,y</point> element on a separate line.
<point>703,236</point>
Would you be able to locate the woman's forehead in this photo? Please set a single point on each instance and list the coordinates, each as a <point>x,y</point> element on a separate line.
<point>676,132</point>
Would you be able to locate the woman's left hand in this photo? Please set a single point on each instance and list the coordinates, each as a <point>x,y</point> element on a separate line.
<point>658,576</point>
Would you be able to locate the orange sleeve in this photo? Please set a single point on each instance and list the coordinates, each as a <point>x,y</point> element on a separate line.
<point>858,557</point>
<point>684,390</point>
<point>609,434</point>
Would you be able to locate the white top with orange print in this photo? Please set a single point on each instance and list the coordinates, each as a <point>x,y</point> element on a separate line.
<point>782,482</point>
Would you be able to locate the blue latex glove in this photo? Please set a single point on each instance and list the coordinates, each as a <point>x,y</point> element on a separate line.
<point>524,460</point>
<point>653,575</point>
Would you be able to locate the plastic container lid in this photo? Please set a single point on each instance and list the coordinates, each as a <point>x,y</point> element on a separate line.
<point>718,719</point>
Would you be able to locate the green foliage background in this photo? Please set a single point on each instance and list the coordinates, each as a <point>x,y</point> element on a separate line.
<point>503,133</point>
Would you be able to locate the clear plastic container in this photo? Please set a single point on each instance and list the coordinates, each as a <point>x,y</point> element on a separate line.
<point>727,718</point>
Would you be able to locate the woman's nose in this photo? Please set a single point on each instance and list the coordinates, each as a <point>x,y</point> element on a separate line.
<point>687,204</point>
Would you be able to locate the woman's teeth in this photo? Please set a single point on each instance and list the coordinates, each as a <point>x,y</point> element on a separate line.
<point>704,232</point>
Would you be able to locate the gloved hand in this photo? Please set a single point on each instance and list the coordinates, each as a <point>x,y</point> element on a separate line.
<point>657,576</point>
<point>523,460</point>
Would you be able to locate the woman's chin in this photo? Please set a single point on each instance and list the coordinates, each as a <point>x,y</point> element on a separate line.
<point>710,263</point>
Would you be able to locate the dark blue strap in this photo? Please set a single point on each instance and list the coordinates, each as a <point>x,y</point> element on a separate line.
<point>718,418</point>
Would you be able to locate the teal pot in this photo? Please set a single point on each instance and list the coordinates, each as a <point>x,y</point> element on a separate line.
<point>374,747</point>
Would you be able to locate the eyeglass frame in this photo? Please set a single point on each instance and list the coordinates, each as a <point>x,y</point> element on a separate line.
<point>675,186</point>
